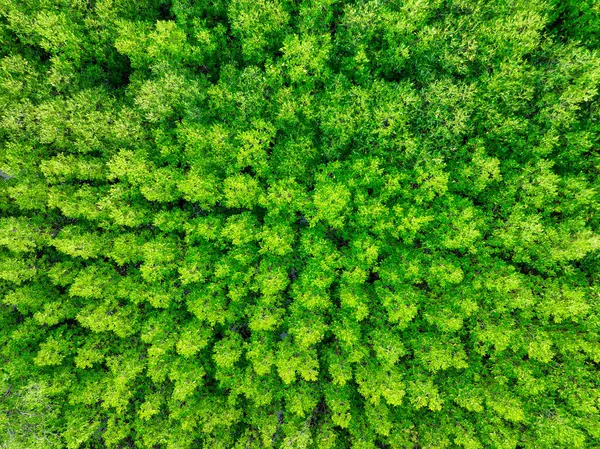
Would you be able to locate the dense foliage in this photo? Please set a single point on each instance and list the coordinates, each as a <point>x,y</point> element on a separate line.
<point>299,224</point>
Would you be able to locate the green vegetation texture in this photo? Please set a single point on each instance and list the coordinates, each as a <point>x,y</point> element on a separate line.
<point>316,224</point>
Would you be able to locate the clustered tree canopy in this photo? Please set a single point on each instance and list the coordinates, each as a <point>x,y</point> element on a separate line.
<point>322,224</point>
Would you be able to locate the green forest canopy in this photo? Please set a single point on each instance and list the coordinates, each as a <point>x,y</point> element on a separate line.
<point>299,224</point>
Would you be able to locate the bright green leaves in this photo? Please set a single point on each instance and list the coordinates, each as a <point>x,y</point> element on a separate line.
<point>388,346</point>
<point>90,354</point>
<point>499,337</point>
<point>344,119</point>
<point>379,418</point>
<point>79,123</point>
<point>167,42</point>
<point>284,198</point>
<point>228,351</point>
<point>272,278</point>
<point>318,274</point>
<point>332,202</point>
<point>193,338</point>
<point>410,223</point>
<point>127,248</point>
<point>356,298</point>
<point>441,356</point>
<point>277,240</point>
<point>339,368</point>
<point>150,407</point>
<point>292,361</point>
<point>159,259</point>
<point>18,76</point>
<point>558,431</point>
<point>87,202</point>
<point>28,298</point>
<point>376,383</point>
<point>261,355</point>
<point>424,393</point>
<point>196,267</point>
<point>209,149</point>
<point>161,185</point>
<point>52,352</point>
<point>562,304</point>
<point>507,407</point>
<point>464,230</point>
<point>132,41</point>
<point>302,398</point>
<point>241,229</point>
<point>17,270</point>
<point>307,328</point>
<point>21,235</point>
<point>431,180</point>
<point>305,58</point>
<point>445,273</point>
<point>483,170</point>
<point>241,191</point>
<point>540,349</point>
<point>209,304</point>
<point>57,34</point>
<point>124,372</point>
<point>200,188</point>
<point>313,224</point>
<point>64,168</point>
<point>122,205</point>
<point>254,147</point>
<point>75,243</point>
<point>401,307</point>
<point>258,26</point>
<point>162,98</point>
<point>470,400</point>
<point>339,400</point>
<point>265,318</point>
<point>163,49</point>
<point>188,377</point>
